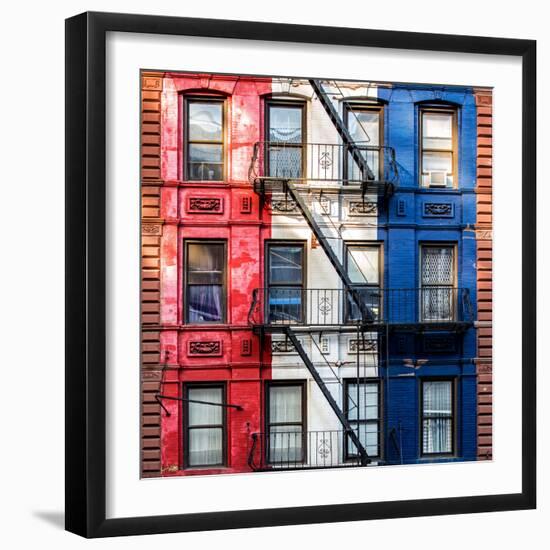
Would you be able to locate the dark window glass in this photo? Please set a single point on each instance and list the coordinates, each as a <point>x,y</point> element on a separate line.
<point>285,283</point>
<point>285,136</point>
<point>205,150</point>
<point>363,266</point>
<point>205,426</point>
<point>205,273</point>
<point>364,125</point>
<point>363,413</point>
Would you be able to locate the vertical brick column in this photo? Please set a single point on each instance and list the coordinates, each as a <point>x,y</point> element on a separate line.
<point>484,239</point>
<point>151,233</point>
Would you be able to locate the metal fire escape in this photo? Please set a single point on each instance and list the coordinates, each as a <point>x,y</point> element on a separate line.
<point>267,182</point>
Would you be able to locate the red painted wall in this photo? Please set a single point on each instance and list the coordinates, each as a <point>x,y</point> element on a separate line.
<point>245,233</point>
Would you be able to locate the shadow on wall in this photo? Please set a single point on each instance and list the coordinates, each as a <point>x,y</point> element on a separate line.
<point>56,519</point>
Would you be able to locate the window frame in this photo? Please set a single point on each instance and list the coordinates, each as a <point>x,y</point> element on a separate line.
<point>438,108</point>
<point>453,285</point>
<point>187,100</point>
<point>187,285</point>
<point>454,420</point>
<point>291,102</point>
<point>379,421</point>
<point>380,285</point>
<point>267,423</point>
<point>274,243</point>
<point>186,386</point>
<point>357,105</point>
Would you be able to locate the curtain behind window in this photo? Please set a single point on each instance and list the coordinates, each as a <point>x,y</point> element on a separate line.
<point>205,446</point>
<point>437,417</point>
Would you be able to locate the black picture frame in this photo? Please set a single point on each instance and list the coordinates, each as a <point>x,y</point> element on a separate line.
<point>86,274</point>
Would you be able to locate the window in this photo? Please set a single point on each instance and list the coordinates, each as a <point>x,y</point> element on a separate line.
<point>285,279</point>
<point>362,409</point>
<point>285,422</point>
<point>438,156</point>
<point>365,126</point>
<point>437,276</point>
<point>204,425</point>
<point>205,282</point>
<point>364,265</point>
<point>285,136</point>
<point>437,417</point>
<point>204,139</point>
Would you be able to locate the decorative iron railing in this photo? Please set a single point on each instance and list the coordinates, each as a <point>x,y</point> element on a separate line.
<point>437,305</point>
<point>289,450</point>
<point>321,162</point>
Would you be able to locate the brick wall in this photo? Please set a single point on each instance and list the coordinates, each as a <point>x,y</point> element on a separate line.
<point>151,232</point>
<point>484,239</point>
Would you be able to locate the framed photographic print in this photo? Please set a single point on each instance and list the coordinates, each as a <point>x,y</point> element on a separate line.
<point>300,264</point>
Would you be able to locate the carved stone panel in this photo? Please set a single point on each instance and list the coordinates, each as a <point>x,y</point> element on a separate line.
<point>205,205</point>
<point>362,208</point>
<point>438,210</point>
<point>211,348</point>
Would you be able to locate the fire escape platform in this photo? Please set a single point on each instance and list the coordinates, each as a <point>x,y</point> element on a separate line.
<point>418,328</point>
<point>270,185</point>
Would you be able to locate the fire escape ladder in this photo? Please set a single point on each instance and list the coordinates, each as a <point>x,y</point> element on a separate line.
<point>364,457</point>
<point>367,315</point>
<point>349,143</point>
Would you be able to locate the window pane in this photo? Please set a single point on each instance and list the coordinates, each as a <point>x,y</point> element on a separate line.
<point>205,304</point>
<point>373,162</point>
<point>368,436</point>
<point>285,404</point>
<point>205,172</point>
<point>437,435</point>
<point>366,403</point>
<point>285,264</point>
<point>363,264</point>
<point>371,297</point>
<point>285,444</point>
<point>205,446</point>
<point>285,124</point>
<point>205,257</point>
<point>285,162</point>
<point>201,414</point>
<point>205,121</point>
<point>437,413</point>
<point>437,162</point>
<point>364,126</point>
<point>205,153</point>
<point>437,304</point>
<point>437,265</point>
<point>437,398</point>
<point>437,125</point>
<point>205,162</point>
<point>285,305</point>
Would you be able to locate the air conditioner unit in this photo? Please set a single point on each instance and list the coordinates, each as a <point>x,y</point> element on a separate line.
<point>437,178</point>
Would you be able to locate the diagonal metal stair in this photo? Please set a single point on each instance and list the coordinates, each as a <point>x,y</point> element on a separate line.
<point>290,334</point>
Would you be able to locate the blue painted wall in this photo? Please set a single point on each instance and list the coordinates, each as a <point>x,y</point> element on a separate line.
<point>403,226</point>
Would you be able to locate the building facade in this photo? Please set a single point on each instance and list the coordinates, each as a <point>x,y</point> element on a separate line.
<point>313,257</point>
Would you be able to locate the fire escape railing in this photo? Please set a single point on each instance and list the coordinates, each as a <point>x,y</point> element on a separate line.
<point>322,163</point>
<point>323,307</point>
<point>282,450</point>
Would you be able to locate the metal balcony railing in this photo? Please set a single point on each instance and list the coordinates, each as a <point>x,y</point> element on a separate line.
<point>322,162</point>
<point>289,450</point>
<point>295,306</point>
